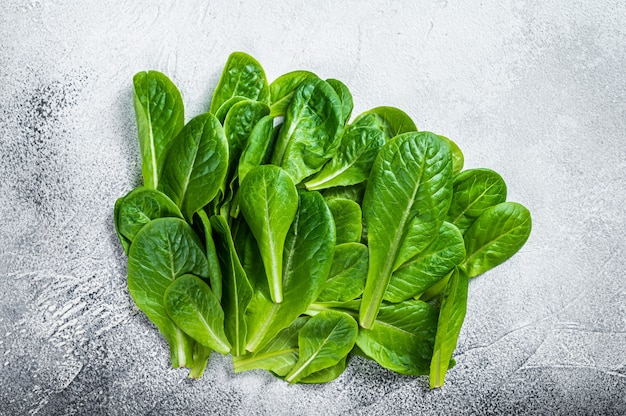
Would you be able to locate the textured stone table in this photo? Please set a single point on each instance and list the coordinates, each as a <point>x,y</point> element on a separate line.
<point>534,92</point>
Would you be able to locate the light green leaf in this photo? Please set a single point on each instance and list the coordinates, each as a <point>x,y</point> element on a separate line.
<point>348,219</point>
<point>429,266</point>
<point>237,288</point>
<point>323,342</point>
<point>420,232</point>
<point>473,191</point>
<point>243,76</point>
<point>346,279</point>
<point>345,96</point>
<point>163,250</point>
<point>497,234</point>
<point>124,242</point>
<point>311,131</point>
<point>457,156</point>
<point>196,164</point>
<point>140,206</point>
<point>397,120</point>
<point>259,142</point>
<point>215,271</point>
<point>283,89</point>
<point>401,338</point>
<point>327,374</point>
<point>160,116</point>
<point>451,316</point>
<point>279,355</point>
<point>411,177</point>
<point>191,304</point>
<point>307,258</point>
<point>269,201</point>
<point>357,150</point>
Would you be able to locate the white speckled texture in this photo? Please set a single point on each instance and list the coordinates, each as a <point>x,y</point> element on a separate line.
<point>533,90</point>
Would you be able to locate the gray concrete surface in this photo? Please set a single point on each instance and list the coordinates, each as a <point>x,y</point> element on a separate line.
<point>534,90</point>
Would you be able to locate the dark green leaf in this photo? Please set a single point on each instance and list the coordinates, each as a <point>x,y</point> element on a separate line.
<point>323,342</point>
<point>497,234</point>
<point>451,316</point>
<point>196,164</point>
<point>160,116</point>
<point>191,304</point>
<point>243,76</point>
<point>402,337</point>
<point>411,177</point>
<point>269,201</point>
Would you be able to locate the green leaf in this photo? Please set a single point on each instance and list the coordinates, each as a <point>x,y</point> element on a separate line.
<point>429,266</point>
<point>160,116</point>
<point>497,234</point>
<point>401,338</point>
<point>398,121</point>
<point>311,131</point>
<point>243,76</point>
<point>163,250</point>
<point>200,354</point>
<point>345,96</point>
<point>348,219</point>
<point>222,112</point>
<point>411,177</point>
<point>307,258</point>
<point>196,164</point>
<point>279,355</point>
<point>191,304</point>
<point>237,288</point>
<point>451,316</point>
<point>269,201</point>
<point>239,123</point>
<point>215,271</point>
<point>327,374</point>
<point>351,192</point>
<point>323,342</point>
<point>283,89</point>
<point>356,153</point>
<point>457,156</point>
<point>124,242</point>
<point>255,152</point>
<point>473,191</point>
<point>420,232</point>
<point>139,207</point>
<point>346,279</point>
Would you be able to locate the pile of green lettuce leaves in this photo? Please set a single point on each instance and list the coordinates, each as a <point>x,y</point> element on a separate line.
<point>281,230</point>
